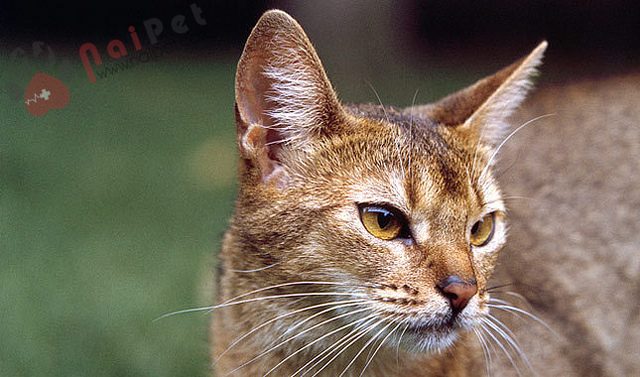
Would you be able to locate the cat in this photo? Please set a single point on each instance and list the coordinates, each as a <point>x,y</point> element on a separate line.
<point>364,237</point>
<point>358,228</point>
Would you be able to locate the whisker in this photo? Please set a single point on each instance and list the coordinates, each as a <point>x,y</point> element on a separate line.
<point>311,364</point>
<point>379,346</point>
<point>504,171</point>
<point>513,294</point>
<point>375,92</point>
<point>373,346</point>
<point>508,335</point>
<point>510,293</point>
<point>351,342</point>
<point>413,102</point>
<point>515,311</point>
<point>255,269</point>
<point>333,304</point>
<point>287,295</point>
<point>495,152</point>
<point>490,347</point>
<point>386,115</point>
<point>398,345</point>
<point>284,285</point>
<point>485,351</point>
<point>373,338</point>
<point>499,344</point>
<point>300,334</point>
<point>494,287</point>
<point>221,305</point>
<point>493,300</point>
<point>475,153</point>
<point>317,340</point>
<point>300,323</point>
<point>510,198</point>
<point>519,197</point>
<point>183,311</point>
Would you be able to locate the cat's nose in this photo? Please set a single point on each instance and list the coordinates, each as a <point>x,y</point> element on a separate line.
<point>458,291</point>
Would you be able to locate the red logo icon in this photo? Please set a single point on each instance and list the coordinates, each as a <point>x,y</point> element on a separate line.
<point>44,93</point>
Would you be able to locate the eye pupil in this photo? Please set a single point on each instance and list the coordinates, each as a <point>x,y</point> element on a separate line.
<point>383,223</point>
<point>384,219</point>
<point>476,226</point>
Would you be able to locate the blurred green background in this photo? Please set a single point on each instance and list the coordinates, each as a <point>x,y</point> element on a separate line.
<point>112,209</point>
<point>110,212</point>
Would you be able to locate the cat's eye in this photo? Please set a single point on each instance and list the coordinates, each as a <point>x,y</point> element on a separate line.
<point>383,223</point>
<point>482,231</point>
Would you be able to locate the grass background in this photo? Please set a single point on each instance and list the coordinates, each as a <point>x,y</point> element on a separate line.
<point>111,211</point>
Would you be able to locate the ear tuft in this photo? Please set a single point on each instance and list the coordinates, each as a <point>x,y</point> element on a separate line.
<point>300,93</point>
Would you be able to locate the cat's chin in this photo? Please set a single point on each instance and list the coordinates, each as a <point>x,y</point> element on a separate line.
<point>430,338</point>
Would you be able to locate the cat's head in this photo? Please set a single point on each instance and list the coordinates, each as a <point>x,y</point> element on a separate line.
<point>383,215</point>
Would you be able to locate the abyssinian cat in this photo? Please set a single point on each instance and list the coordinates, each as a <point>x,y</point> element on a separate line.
<point>364,236</point>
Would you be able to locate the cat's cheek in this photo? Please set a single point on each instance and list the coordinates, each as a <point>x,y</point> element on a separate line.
<point>484,258</point>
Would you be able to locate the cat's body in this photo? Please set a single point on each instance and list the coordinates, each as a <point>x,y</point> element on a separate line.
<point>308,283</point>
<point>574,242</point>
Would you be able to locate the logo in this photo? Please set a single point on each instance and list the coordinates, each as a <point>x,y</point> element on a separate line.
<point>45,93</point>
<point>38,48</point>
<point>117,49</point>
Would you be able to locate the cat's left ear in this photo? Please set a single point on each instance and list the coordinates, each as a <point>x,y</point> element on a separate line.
<point>482,109</point>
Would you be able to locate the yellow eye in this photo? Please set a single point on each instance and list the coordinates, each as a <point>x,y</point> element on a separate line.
<point>381,222</point>
<point>482,231</point>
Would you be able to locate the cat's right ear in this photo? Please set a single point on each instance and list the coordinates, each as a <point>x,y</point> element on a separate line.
<point>283,95</point>
<point>481,110</point>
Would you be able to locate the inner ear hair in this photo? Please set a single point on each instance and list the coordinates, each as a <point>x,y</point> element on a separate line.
<point>283,96</point>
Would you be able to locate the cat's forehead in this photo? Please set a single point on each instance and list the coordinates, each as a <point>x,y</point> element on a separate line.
<point>405,159</point>
<point>422,143</point>
<point>390,114</point>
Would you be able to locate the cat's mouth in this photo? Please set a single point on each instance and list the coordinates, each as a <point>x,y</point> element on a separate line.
<point>442,327</point>
<point>447,323</point>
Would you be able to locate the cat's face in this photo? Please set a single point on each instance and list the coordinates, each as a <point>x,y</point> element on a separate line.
<point>388,220</point>
<point>395,210</point>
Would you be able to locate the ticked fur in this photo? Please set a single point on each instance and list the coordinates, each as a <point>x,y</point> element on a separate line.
<point>324,295</point>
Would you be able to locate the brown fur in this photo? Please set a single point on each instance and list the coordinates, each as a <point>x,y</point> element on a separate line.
<point>306,163</point>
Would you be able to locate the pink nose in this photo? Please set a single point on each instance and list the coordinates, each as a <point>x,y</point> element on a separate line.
<point>458,291</point>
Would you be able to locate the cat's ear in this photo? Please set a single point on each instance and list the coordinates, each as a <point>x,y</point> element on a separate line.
<point>483,108</point>
<point>283,95</point>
